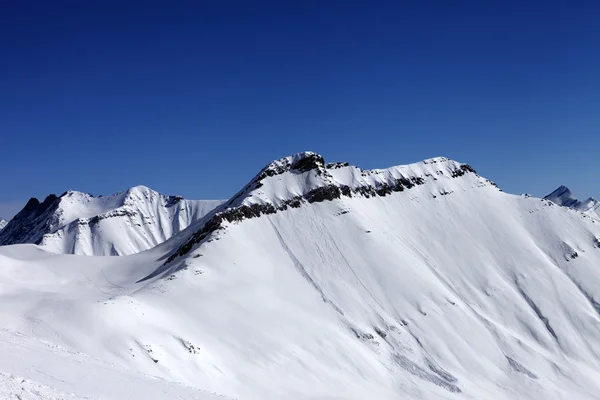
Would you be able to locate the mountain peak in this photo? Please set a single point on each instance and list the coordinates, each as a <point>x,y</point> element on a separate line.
<point>299,162</point>
<point>123,223</point>
<point>140,189</point>
<point>304,177</point>
<point>564,197</point>
<point>3,223</point>
<point>139,192</point>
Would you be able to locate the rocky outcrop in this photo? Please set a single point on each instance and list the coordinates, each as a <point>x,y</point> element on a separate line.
<point>32,222</point>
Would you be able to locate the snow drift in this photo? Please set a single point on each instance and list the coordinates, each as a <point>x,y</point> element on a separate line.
<point>325,281</point>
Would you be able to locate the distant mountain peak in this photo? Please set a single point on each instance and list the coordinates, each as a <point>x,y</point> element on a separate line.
<point>123,223</point>
<point>564,197</point>
<point>3,223</point>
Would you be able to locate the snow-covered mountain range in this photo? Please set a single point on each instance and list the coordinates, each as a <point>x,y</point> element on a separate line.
<point>563,197</point>
<point>326,281</point>
<point>121,224</point>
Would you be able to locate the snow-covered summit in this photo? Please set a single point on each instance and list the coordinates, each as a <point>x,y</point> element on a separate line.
<point>299,175</point>
<point>563,197</point>
<point>124,223</point>
<point>305,178</point>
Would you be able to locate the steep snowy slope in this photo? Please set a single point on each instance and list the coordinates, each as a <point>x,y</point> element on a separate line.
<point>124,223</point>
<point>329,282</point>
<point>3,223</point>
<point>563,197</point>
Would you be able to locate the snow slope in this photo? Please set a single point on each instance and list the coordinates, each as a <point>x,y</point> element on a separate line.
<point>124,223</point>
<point>324,281</point>
<point>41,370</point>
<point>563,197</point>
<point>3,223</point>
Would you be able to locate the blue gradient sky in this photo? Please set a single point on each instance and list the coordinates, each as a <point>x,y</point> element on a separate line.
<point>193,98</point>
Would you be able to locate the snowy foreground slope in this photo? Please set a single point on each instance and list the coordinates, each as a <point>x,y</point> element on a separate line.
<point>125,223</point>
<point>42,370</point>
<point>329,282</point>
<point>563,197</point>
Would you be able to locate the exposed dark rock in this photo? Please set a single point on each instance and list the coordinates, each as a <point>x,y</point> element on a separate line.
<point>463,169</point>
<point>380,332</point>
<point>32,222</point>
<point>346,191</point>
<point>173,200</point>
<point>116,213</point>
<point>32,204</point>
<point>336,165</point>
<point>362,335</point>
<point>312,161</point>
<point>323,193</point>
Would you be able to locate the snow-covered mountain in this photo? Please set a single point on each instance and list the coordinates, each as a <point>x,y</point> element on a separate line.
<point>563,197</point>
<point>325,281</point>
<point>3,223</point>
<point>121,224</point>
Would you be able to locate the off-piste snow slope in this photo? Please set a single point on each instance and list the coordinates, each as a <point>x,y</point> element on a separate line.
<point>325,281</point>
<point>124,223</point>
<point>563,197</point>
<point>41,370</point>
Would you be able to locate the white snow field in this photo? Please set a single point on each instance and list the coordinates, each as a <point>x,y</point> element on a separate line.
<point>124,223</point>
<point>42,370</point>
<point>329,282</point>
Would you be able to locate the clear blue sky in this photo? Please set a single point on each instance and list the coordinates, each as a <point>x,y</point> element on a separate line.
<point>194,97</point>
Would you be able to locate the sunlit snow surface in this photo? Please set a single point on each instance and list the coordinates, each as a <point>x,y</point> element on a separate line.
<point>448,290</point>
<point>42,370</point>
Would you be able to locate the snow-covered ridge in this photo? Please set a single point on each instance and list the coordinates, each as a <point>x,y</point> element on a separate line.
<point>306,178</point>
<point>564,197</point>
<point>441,288</point>
<point>447,289</point>
<point>124,223</point>
<point>3,223</point>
